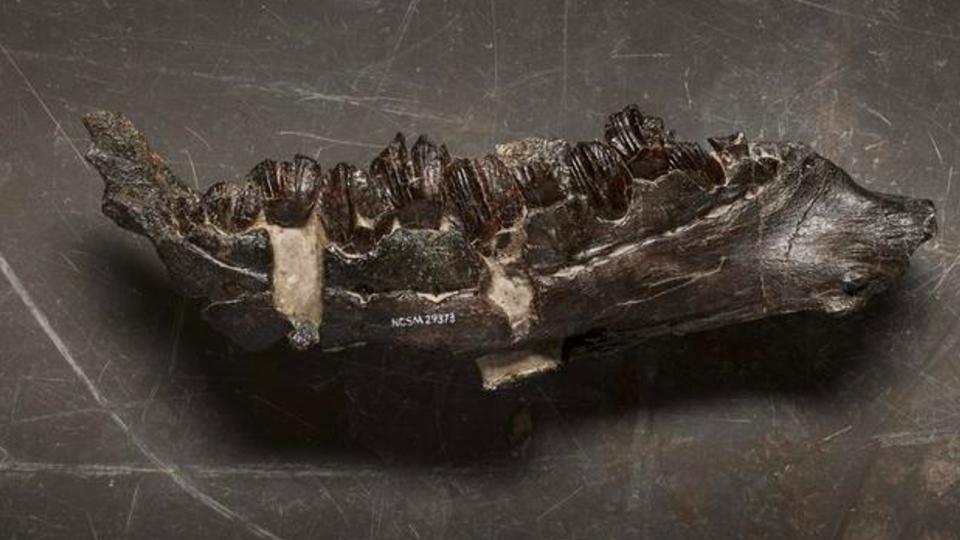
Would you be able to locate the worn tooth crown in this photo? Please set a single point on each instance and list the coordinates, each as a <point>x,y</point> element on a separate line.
<point>599,173</point>
<point>289,190</point>
<point>638,234</point>
<point>630,132</point>
<point>232,206</point>
<point>335,206</point>
<point>500,190</point>
<point>466,202</point>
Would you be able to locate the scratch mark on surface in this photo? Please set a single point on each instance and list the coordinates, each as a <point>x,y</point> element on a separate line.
<point>357,101</point>
<point>640,55</point>
<point>51,416</point>
<point>133,505</point>
<point>404,25</point>
<point>914,438</point>
<point>193,168</point>
<point>336,505</point>
<point>806,213</point>
<point>177,330</point>
<point>874,20</point>
<point>279,471</point>
<point>877,114</point>
<point>344,142</point>
<point>93,530</point>
<point>169,469</point>
<point>563,69</point>
<point>103,370</point>
<point>560,503</point>
<point>685,281</point>
<point>423,115</point>
<point>946,197</point>
<point>70,263</point>
<point>936,147</point>
<point>761,227</point>
<point>910,102</point>
<point>617,54</point>
<point>563,422</point>
<point>16,401</point>
<point>496,57</point>
<point>835,434</point>
<point>43,105</point>
<point>177,333</point>
<point>47,328</point>
<point>199,137</point>
<point>537,77</point>
<point>284,412</point>
<point>943,277</point>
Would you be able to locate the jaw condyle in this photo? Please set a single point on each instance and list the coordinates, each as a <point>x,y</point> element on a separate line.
<point>502,257</point>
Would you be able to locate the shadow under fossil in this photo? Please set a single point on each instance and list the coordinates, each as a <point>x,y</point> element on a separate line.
<point>387,405</point>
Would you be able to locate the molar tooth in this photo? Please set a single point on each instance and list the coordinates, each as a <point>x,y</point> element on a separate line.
<point>336,207</point>
<point>600,175</point>
<point>427,161</point>
<point>501,191</point>
<point>289,189</point>
<point>630,131</point>
<point>372,210</point>
<point>391,171</point>
<point>232,206</point>
<point>463,193</point>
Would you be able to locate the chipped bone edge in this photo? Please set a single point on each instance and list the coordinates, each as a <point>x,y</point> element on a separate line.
<point>504,368</point>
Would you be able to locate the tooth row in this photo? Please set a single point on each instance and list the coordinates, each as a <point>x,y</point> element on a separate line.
<point>420,187</point>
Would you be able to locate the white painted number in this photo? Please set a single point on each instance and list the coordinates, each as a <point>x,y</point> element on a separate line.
<point>427,319</point>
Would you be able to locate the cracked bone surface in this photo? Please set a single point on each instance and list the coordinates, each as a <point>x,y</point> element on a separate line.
<point>502,257</point>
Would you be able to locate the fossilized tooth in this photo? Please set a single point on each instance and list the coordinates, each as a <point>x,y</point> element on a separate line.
<point>503,257</point>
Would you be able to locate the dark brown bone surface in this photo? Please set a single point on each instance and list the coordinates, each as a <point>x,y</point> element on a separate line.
<point>502,256</point>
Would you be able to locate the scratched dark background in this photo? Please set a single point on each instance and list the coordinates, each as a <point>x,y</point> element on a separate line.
<point>123,416</point>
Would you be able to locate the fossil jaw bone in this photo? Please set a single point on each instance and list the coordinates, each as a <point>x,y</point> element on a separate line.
<point>537,242</point>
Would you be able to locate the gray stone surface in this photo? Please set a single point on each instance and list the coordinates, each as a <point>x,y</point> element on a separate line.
<point>122,415</point>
